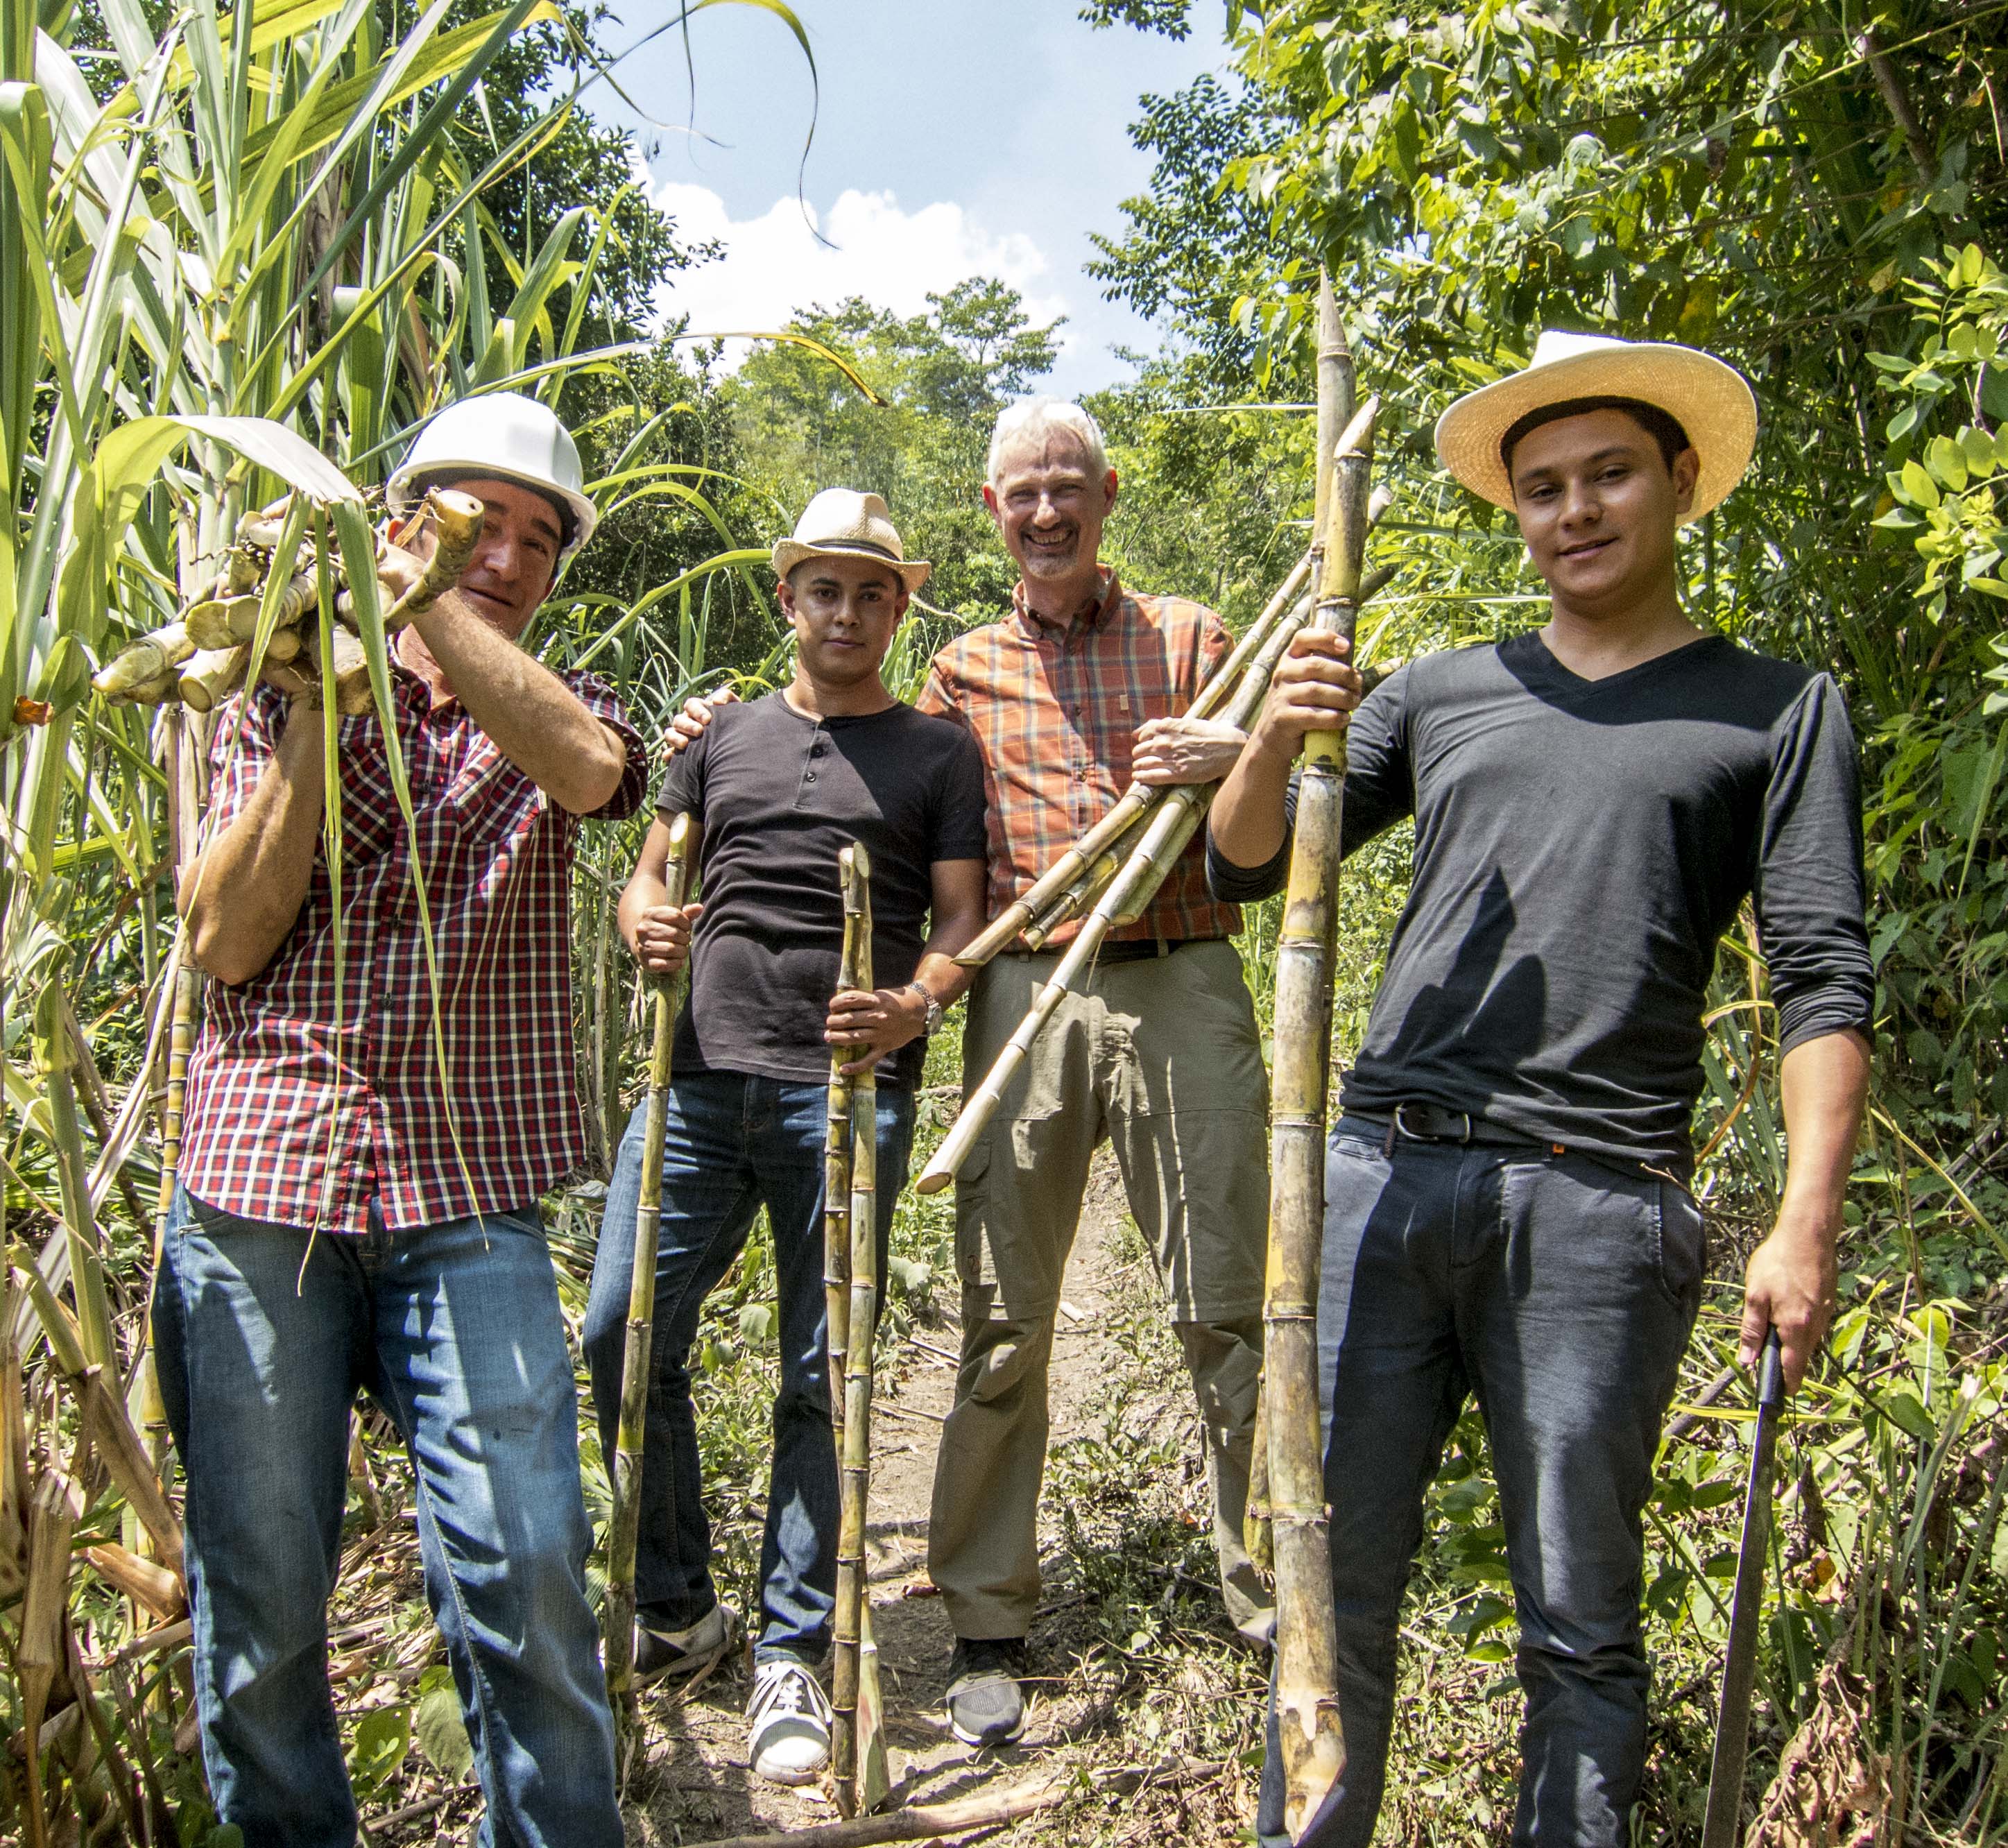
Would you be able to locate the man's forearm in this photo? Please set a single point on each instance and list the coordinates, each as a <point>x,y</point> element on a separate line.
<point>940,974</point>
<point>642,894</point>
<point>537,722</point>
<point>1246,820</point>
<point>1823,1084</point>
<point>243,894</point>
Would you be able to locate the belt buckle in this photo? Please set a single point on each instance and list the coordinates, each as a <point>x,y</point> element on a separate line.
<point>1462,1138</point>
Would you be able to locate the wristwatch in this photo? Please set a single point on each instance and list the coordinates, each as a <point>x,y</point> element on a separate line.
<point>934,1009</point>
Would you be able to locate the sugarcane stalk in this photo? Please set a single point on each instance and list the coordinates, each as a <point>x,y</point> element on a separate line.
<point>626,1527</point>
<point>1312,1743</point>
<point>1052,884</point>
<point>354,696</point>
<point>210,676</point>
<point>837,1158</point>
<point>457,522</point>
<point>857,1746</point>
<point>147,660</point>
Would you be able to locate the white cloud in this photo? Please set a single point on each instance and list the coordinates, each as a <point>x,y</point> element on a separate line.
<point>774,265</point>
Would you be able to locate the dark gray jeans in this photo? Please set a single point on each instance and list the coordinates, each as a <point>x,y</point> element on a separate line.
<point>1562,1292</point>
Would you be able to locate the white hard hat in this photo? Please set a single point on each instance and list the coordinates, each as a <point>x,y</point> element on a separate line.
<point>506,437</point>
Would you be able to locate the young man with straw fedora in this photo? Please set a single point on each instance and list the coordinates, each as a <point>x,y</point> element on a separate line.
<point>1507,1212</point>
<point>382,1093</point>
<point>776,788</point>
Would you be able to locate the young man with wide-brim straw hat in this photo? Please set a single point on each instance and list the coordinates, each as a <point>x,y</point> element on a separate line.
<point>383,1092</point>
<point>1507,1212</point>
<point>775,789</point>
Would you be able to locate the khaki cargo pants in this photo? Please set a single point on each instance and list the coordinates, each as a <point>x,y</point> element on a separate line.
<point>1161,1057</point>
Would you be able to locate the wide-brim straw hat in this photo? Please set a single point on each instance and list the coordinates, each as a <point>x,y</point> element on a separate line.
<point>1711,400</point>
<point>842,523</point>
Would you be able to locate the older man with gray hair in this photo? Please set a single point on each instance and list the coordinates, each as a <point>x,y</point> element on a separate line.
<point>1069,697</point>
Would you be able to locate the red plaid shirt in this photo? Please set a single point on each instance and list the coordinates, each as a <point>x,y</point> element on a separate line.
<point>1054,709</point>
<point>315,1085</point>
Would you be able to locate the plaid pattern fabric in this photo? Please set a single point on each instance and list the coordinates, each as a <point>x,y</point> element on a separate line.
<point>1054,709</point>
<point>317,1085</point>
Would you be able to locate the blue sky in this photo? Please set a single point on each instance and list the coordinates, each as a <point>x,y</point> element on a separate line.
<point>955,138</point>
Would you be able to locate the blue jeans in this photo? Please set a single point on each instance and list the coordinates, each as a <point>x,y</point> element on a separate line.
<point>1562,1292</point>
<point>264,1336</point>
<point>733,1143</point>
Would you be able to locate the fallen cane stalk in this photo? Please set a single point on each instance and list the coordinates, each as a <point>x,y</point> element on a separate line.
<point>1311,1742</point>
<point>626,1527</point>
<point>857,1746</point>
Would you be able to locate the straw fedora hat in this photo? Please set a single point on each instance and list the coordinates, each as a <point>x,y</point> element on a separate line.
<point>841,523</point>
<point>1711,400</point>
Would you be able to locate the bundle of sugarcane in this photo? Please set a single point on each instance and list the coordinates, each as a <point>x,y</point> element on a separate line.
<point>1311,1741</point>
<point>1122,886</point>
<point>1057,894</point>
<point>634,1360</point>
<point>205,652</point>
<point>851,1270</point>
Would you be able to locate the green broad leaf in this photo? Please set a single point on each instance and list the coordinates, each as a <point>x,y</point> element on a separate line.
<point>441,1732</point>
<point>1913,484</point>
<point>756,1323</point>
<point>1947,462</point>
<point>1981,452</point>
<point>383,1740</point>
<point>1988,586</point>
<point>1903,1410</point>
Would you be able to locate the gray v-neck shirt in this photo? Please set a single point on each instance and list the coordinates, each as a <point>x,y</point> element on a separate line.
<point>1581,846</point>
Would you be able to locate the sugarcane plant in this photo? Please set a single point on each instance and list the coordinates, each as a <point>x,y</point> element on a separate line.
<point>850,1268</point>
<point>625,1530</point>
<point>1311,1739</point>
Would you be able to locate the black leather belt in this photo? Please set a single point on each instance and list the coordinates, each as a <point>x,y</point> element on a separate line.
<point>1431,1122</point>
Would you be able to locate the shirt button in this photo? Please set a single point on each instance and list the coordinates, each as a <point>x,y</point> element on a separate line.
<point>811,777</point>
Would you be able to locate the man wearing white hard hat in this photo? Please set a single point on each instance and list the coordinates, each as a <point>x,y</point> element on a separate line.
<point>382,1093</point>
<point>1508,1212</point>
<point>776,788</point>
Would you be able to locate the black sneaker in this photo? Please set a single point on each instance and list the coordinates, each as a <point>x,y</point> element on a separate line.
<point>672,1654</point>
<point>986,1706</point>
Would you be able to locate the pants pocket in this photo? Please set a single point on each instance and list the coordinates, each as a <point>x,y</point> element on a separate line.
<point>1682,1246</point>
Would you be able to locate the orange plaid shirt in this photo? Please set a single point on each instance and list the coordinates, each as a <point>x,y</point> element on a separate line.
<point>1054,708</point>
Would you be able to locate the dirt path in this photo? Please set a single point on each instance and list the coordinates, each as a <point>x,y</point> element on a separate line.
<point>696,1785</point>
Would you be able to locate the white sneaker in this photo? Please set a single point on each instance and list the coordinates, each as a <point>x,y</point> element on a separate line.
<point>789,1720</point>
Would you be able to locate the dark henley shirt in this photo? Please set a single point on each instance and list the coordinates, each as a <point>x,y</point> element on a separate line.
<point>779,797</point>
<point>1581,846</point>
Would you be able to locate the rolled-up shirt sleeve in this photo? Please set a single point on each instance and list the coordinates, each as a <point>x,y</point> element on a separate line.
<point>1379,791</point>
<point>1809,891</point>
<point>597,697</point>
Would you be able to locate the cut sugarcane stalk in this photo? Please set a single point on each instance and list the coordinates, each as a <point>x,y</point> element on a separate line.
<point>147,660</point>
<point>457,523</point>
<point>857,1747</point>
<point>208,677</point>
<point>353,694</point>
<point>283,645</point>
<point>633,1429</point>
<point>1311,1740</point>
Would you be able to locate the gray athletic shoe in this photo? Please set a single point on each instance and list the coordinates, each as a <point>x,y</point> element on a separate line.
<point>789,1718</point>
<point>986,1706</point>
<point>673,1654</point>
